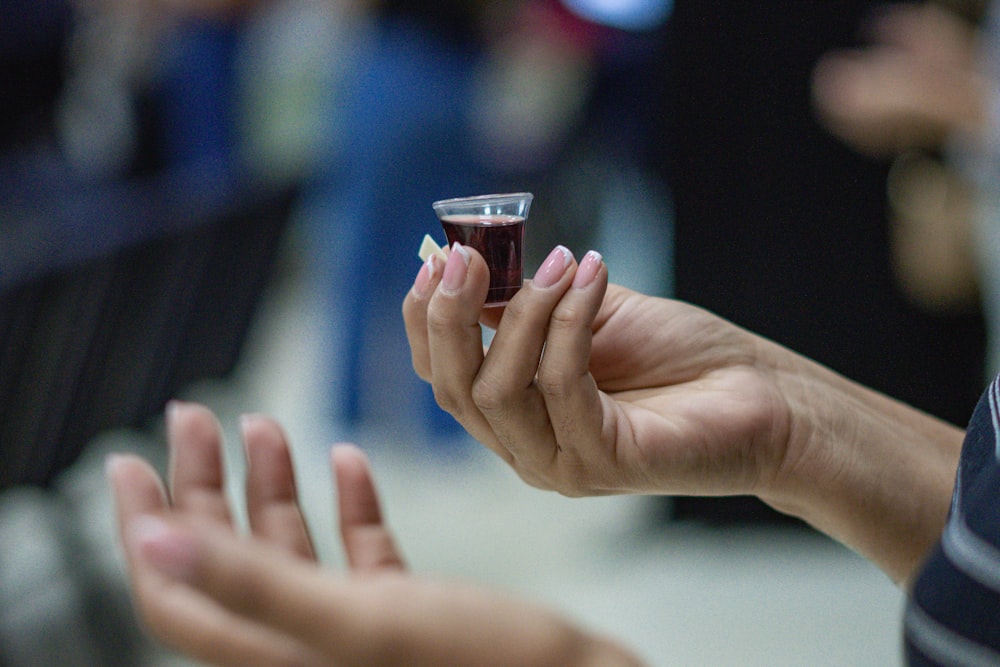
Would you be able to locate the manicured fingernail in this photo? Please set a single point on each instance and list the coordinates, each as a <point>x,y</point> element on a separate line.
<point>426,275</point>
<point>455,269</point>
<point>587,271</point>
<point>165,548</point>
<point>553,267</point>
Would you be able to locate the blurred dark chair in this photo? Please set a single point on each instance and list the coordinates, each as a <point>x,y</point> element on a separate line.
<point>114,298</point>
<point>117,289</point>
<point>117,292</point>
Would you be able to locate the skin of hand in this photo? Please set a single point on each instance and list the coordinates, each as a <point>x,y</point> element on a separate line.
<point>225,598</point>
<point>590,389</point>
<point>913,87</point>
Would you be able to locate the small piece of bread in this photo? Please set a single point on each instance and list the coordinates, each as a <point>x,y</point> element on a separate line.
<point>428,247</point>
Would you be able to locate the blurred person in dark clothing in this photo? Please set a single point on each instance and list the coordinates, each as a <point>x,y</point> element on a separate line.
<point>779,225</point>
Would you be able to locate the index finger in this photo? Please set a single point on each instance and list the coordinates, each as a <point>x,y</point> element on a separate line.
<point>272,497</point>
<point>455,339</point>
<point>415,314</point>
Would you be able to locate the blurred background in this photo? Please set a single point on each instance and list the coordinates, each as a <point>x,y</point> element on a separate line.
<point>221,200</point>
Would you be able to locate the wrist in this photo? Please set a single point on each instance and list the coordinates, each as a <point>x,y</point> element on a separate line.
<point>869,471</point>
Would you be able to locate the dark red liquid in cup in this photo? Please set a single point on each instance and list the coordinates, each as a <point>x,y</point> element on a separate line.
<point>498,238</point>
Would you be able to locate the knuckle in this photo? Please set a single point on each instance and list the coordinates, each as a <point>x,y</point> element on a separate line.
<point>448,401</point>
<point>575,478</point>
<point>555,382</point>
<point>490,397</point>
<point>518,307</point>
<point>533,479</point>
<point>439,322</point>
<point>569,488</point>
<point>566,316</point>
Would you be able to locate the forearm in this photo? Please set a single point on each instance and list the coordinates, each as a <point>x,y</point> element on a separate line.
<point>863,468</point>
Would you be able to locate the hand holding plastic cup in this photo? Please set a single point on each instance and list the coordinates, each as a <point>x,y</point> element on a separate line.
<point>494,226</point>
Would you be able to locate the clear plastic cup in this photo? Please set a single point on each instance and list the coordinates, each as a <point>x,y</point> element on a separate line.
<point>494,226</point>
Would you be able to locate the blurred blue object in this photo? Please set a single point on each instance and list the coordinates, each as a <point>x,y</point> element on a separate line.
<point>404,114</point>
<point>623,14</point>
<point>195,94</point>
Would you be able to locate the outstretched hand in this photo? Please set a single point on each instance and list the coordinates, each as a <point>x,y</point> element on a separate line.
<point>224,598</point>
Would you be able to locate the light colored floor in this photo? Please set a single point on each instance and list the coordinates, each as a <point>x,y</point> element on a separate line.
<point>680,594</point>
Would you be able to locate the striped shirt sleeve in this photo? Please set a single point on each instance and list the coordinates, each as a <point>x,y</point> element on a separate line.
<point>953,613</point>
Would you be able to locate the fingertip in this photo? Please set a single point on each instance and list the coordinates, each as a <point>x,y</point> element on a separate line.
<point>176,408</point>
<point>427,278</point>
<point>357,497</point>
<point>116,468</point>
<point>347,449</point>
<point>258,429</point>
<point>554,267</point>
<point>189,419</point>
<point>347,455</point>
<point>455,270</point>
<point>462,251</point>
<point>589,267</point>
<point>249,421</point>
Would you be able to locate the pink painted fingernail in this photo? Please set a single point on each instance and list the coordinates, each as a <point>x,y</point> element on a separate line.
<point>588,269</point>
<point>553,267</point>
<point>426,275</point>
<point>165,548</point>
<point>455,269</point>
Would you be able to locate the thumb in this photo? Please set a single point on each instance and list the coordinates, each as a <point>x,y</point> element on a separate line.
<point>252,579</point>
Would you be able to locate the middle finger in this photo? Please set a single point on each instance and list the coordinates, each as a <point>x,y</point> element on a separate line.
<point>272,498</point>
<point>197,479</point>
<point>506,390</point>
